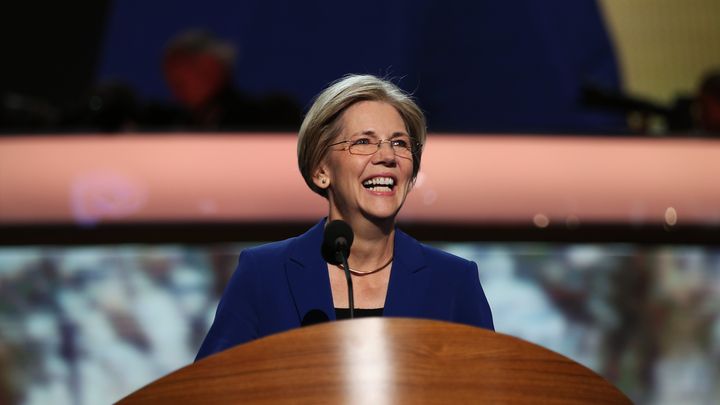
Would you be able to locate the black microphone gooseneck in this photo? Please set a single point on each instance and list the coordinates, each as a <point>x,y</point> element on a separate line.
<point>336,250</point>
<point>351,295</point>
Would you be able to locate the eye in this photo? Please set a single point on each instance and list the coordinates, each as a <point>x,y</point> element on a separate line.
<point>401,143</point>
<point>360,141</point>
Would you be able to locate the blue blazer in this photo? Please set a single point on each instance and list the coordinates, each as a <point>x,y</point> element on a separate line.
<point>277,284</point>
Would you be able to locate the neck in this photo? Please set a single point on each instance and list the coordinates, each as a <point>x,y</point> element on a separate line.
<point>373,243</point>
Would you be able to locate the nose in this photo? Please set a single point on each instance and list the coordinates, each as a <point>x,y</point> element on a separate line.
<point>385,153</point>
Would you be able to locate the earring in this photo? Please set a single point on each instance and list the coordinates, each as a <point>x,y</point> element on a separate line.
<point>323,181</point>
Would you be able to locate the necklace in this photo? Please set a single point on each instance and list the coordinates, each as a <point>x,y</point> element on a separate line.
<point>363,273</point>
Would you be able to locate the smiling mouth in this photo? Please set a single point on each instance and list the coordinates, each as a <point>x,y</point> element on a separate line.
<point>379,184</point>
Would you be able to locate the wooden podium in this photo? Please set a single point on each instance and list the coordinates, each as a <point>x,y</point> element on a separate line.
<point>382,361</point>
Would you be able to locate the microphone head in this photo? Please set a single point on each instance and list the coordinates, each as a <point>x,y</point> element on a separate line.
<point>337,240</point>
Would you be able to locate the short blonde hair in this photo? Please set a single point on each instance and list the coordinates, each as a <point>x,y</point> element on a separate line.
<point>322,123</point>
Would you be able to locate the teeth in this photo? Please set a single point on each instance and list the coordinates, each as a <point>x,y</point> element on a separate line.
<point>379,181</point>
<point>379,188</point>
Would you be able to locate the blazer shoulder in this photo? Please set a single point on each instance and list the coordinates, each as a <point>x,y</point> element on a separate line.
<point>434,254</point>
<point>421,255</point>
<point>297,248</point>
<point>272,250</point>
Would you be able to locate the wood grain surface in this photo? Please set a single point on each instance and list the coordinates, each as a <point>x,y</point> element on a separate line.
<point>383,361</point>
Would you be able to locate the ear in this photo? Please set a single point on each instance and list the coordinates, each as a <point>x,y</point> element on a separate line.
<point>321,177</point>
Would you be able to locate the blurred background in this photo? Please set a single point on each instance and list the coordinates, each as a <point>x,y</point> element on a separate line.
<point>97,302</point>
<point>563,66</point>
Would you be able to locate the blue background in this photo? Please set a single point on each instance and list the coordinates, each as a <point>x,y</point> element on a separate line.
<point>474,66</point>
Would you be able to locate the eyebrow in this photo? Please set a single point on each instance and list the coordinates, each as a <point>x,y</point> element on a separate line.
<point>370,132</point>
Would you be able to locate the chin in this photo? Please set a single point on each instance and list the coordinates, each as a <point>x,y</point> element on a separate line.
<point>381,214</point>
<point>380,220</point>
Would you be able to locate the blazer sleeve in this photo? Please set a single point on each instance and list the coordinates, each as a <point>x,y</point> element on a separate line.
<point>471,304</point>
<point>236,318</point>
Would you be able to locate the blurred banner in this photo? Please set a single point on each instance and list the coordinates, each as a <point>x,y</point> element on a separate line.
<point>521,180</point>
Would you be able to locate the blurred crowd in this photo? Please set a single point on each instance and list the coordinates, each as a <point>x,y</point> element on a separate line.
<point>691,114</point>
<point>199,67</point>
<point>198,70</point>
<point>90,325</point>
<point>86,325</point>
<point>647,319</point>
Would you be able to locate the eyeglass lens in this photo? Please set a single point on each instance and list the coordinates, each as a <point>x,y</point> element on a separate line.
<point>402,146</point>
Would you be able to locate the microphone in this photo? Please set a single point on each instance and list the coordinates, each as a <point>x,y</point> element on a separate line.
<point>314,317</point>
<point>337,241</point>
<point>336,250</point>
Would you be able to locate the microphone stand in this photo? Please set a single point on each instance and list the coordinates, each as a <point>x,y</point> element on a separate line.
<point>335,250</point>
<point>346,267</point>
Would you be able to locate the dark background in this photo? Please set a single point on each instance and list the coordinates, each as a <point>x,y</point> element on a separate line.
<point>474,66</point>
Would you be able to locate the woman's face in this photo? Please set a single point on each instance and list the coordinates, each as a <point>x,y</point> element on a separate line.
<point>372,186</point>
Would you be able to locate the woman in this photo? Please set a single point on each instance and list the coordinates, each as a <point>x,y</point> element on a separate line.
<point>359,147</point>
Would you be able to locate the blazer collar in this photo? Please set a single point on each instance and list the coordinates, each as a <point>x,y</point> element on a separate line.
<point>408,283</point>
<point>307,273</point>
<point>310,284</point>
<point>408,253</point>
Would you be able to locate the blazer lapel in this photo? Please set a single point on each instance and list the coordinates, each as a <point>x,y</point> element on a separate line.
<point>408,286</point>
<point>307,275</point>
